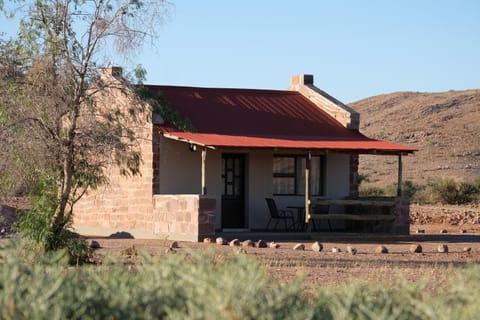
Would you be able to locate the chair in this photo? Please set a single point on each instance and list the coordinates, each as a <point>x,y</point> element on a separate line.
<point>279,215</point>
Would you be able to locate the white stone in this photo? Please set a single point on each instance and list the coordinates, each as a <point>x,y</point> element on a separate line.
<point>299,247</point>
<point>317,246</point>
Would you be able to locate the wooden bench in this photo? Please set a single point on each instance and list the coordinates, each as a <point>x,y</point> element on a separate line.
<point>353,217</point>
<point>380,210</point>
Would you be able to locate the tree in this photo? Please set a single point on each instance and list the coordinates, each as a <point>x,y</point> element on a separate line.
<point>52,94</point>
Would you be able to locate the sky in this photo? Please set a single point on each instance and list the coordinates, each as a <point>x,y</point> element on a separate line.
<point>354,49</point>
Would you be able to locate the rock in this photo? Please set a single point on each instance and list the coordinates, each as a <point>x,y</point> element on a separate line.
<point>463,231</point>
<point>273,245</point>
<point>261,244</point>
<point>207,240</point>
<point>442,248</point>
<point>94,244</point>
<point>351,250</point>
<point>169,250</point>
<point>336,250</point>
<point>247,243</point>
<point>420,231</point>
<point>234,243</point>
<point>317,246</point>
<point>415,248</point>
<point>299,247</point>
<point>381,249</point>
<point>174,245</point>
<point>443,231</point>
<point>467,249</point>
<point>220,241</point>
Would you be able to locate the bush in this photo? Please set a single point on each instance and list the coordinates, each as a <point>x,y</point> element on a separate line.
<point>35,223</point>
<point>409,189</point>
<point>208,286</point>
<point>371,191</point>
<point>449,191</point>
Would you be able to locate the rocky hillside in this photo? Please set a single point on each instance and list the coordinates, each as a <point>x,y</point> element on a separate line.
<point>445,127</point>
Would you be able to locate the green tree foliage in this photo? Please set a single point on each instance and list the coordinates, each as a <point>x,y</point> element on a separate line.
<point>52,112</point>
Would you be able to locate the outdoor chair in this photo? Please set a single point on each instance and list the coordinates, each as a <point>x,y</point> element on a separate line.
<point>279,215</point>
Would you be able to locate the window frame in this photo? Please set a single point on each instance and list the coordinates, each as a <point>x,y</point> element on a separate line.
<point>297,174</point>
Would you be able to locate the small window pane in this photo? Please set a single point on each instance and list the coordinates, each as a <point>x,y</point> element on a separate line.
<point>237,167</point>
<point>229,164</point>
<point>229,189</point>
<point>315,176</point>
<point>285,165</point>
<point>283,185</point>
<point>237,187</point>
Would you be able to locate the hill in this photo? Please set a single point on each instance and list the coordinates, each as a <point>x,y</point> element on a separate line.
<point>445,127</point>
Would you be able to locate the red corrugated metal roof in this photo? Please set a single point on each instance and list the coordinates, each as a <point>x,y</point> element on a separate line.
<point>261,119</point>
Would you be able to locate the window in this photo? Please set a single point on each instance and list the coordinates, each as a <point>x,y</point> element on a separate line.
<point>289,175</point>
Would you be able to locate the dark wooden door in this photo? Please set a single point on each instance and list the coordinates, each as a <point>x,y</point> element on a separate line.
<point>233,194</point>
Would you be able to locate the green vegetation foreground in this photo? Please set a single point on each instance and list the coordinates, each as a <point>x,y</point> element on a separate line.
<point>207,286</point>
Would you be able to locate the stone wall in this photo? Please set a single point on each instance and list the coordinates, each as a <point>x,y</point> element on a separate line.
<point>402,215</point>
<point>125,202</point>
<point>184,217</point>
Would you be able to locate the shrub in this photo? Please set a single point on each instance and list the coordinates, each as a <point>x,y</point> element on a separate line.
<point>409,189</point>
<point>371,191</point>
<point>208,286</point>
<point>204,286</point>
<point>449,191</point>
<point>35,223</point>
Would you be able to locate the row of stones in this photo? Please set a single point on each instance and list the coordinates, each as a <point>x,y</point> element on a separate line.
<point>318,247</point>
<point>441,231</point>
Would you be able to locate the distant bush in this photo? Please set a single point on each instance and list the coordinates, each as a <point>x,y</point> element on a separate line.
<point>442,190</point>
<point>371,191</point>
<point>450,191</point>
<point>409,189</point>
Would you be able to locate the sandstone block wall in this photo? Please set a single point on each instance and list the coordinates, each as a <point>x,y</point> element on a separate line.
<point>184,217</point>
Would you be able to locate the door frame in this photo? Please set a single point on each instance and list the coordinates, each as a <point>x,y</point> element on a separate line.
<point>243,176</point>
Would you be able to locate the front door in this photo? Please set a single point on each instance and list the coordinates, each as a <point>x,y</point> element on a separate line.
<point>233,194</point>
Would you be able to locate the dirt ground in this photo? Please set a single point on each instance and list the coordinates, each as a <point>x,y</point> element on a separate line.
<point>329,268</point>
<point>436,227</point>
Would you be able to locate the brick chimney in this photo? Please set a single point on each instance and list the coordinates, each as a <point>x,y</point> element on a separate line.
<point>116,72</point>
<point>303,83</point>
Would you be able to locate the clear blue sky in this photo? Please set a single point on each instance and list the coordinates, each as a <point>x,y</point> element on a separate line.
<point>355,49</point>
